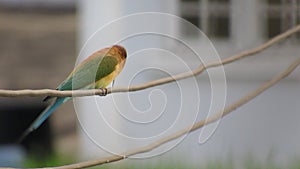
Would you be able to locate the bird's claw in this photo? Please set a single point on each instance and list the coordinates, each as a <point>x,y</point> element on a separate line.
<point>103,91</point>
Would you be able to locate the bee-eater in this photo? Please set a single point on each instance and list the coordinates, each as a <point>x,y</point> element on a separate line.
<point>97,71</point>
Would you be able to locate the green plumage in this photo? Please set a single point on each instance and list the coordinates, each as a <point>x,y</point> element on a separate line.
<point>89,72</point>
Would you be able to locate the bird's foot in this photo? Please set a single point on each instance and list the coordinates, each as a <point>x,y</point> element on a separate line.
<point>103,91</point>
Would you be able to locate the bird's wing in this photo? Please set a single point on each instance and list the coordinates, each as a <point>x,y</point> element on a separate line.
<point>89,72</point>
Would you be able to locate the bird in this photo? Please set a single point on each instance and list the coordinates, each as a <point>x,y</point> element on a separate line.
<point>96,71</point>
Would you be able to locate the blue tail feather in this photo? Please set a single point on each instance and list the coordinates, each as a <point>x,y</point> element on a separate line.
<point>43,116</point>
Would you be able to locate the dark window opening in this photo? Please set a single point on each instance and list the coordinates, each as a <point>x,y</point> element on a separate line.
<point>273,27</point>
<point>15,118</point>
<point>218,27</point>
<point>281,16</point>
<point>213,18</point>
<point>186,29</point>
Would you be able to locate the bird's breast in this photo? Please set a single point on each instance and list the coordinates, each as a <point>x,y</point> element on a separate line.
<point>106,80</point>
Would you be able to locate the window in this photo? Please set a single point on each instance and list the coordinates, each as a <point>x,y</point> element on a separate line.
<point>210,16</point>
<point>280,16</point>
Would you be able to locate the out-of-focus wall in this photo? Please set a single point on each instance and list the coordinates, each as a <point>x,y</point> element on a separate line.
<point>37,50</point>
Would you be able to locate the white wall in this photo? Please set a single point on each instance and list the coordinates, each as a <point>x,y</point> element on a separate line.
<point>267,128</point>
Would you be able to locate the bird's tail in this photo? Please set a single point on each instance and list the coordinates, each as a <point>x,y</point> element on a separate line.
<point>43,116</point>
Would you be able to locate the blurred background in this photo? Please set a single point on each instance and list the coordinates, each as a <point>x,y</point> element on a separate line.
<point>41,40</point>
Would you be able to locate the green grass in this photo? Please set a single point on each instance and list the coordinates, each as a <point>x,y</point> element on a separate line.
<point>50,161</point>
<point>58,160</point>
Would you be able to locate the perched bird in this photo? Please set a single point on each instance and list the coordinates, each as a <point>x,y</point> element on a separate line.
<point>97,71</point>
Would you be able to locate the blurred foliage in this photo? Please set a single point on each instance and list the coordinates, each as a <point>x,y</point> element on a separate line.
<point>58,160</point>
<point>34,161</point>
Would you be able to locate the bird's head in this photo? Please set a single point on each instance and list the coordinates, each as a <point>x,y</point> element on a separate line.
<point>121,50</point>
